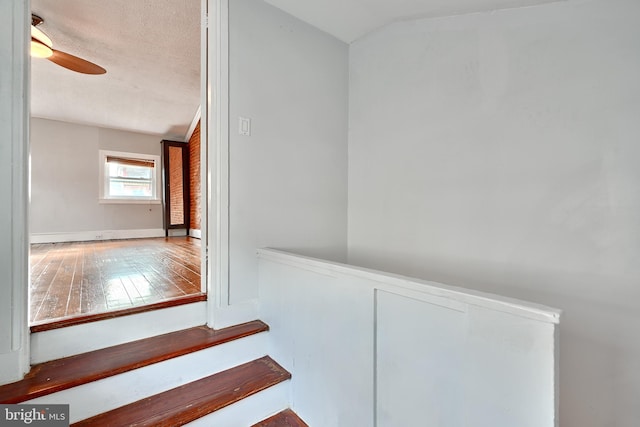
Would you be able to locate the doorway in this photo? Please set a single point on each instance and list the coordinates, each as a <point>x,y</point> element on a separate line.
<point>86,256</point>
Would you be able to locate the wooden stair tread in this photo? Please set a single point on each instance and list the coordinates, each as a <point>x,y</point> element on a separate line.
<point>48,324</point>
<point>61,374</point>
<point>191,401</point>
<point>286,418</point>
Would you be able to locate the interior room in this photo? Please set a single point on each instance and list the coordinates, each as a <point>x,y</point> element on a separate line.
<point>100,205</point>
<point>419,212</point>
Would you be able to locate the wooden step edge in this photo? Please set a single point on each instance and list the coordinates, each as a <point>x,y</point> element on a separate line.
<point>194,400</point>
<point>61,374</point>
<point>48,325</point>
<point>286,418</point>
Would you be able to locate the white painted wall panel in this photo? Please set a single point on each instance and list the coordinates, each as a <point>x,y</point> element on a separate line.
<point>320,331</point>
<point>288,179</point>
<point>452,368</point>
<point>499,151</point>
<point>368,348</point>
<point>420,363</point>
<point>520,351</point>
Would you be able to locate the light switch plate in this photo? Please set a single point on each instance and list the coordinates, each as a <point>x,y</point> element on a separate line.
<point>244,126</point>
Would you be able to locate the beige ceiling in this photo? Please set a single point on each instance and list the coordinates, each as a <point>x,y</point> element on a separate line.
<point>150,49</point>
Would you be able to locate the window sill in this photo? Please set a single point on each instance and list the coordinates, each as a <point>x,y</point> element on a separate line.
<point>130,201</point>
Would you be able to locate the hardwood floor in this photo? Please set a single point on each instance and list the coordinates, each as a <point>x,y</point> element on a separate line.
<point>80,278</point>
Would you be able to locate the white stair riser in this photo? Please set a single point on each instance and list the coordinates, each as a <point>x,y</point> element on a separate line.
<point>249,410</point>
<point>71,340</point>
<point>104,395</point>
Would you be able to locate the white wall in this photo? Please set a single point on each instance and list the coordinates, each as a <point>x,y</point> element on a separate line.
<point>287,180</point>
<point>65,179</point>
<point>500,151</point>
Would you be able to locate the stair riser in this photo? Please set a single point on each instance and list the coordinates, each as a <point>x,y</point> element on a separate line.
<point>72,340</point>
<point>100,396</point>
<point>249,410</point>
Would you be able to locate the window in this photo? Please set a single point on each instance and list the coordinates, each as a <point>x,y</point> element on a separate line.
<point>129,177</point>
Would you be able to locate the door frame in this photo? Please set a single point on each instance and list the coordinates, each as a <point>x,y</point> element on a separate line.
<point>14,190</point>
<point>215,127</point>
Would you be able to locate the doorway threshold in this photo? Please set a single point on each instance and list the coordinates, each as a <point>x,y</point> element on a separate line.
<point>63,322</point>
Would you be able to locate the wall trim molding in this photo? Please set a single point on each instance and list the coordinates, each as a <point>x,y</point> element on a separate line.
<point>448,296</point>
<point>216,111</point>
<point>197,234</point>
<point>84,236</point>
<point>14,190</point>
<point>193,125</point>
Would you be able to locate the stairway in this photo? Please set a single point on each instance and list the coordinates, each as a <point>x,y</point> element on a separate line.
<point>286,418</point>
<point>198,376</point>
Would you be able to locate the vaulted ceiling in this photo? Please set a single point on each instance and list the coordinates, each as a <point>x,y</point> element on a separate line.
<point>151,50</point>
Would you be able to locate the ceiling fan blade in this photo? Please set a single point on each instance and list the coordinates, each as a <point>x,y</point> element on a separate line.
<point>74,63</point>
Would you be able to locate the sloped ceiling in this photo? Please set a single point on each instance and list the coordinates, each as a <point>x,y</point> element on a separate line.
<point>349,20</point>
<point>150,49</point>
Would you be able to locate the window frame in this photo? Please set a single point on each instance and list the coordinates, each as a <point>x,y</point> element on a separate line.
<point>105,197</point>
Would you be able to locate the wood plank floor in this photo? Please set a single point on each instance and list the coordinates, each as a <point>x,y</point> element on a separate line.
<point>80,278</point>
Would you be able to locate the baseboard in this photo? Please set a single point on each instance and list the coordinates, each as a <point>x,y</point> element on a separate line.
<point>83,236</point>
<point>195,233</point>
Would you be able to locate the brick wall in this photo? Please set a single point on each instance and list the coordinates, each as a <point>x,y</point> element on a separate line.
<point>194,178</point>
<point>175,183</point>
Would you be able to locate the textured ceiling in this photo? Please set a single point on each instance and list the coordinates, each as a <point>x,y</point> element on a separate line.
<point>150,49</point>
<point>350,19</point>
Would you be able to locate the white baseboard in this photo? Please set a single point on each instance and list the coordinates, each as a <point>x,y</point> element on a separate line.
<point>83,236</point>
<point>177,232</point>
<point>195,233</point>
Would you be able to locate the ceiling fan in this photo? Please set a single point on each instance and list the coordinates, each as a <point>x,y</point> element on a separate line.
<point>42,47</point>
